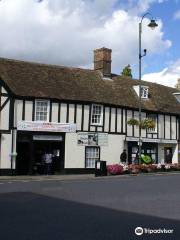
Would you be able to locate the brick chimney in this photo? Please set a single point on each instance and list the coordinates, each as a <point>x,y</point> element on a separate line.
<point>102,61</point>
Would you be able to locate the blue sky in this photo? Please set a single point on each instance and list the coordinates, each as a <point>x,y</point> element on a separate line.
<point>65,32</point>
<point>166,11</point>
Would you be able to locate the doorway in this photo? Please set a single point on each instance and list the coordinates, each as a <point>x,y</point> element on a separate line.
<point>52,147</point>
<point>31,149</point>
<point>23,158</point>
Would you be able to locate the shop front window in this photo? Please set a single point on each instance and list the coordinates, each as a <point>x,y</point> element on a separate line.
<point>92,154</point>
<point>150,151</point>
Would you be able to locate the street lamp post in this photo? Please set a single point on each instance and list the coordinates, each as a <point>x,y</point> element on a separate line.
<point>152,25</point>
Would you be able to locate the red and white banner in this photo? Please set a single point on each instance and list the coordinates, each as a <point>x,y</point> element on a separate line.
<point>46,126</point>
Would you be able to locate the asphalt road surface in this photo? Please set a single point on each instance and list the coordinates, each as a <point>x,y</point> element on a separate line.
<point>100,209</point>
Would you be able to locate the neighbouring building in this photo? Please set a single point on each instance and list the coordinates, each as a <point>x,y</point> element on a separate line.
<point>80,116</point>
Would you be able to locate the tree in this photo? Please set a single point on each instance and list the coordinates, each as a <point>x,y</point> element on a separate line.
<point>127,71</point>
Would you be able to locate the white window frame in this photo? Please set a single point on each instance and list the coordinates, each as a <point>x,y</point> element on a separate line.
<point>48,109</point>
<point>144,92</point>
<point>94,154</point>
<point>154,117</point>
<point>101,115</point>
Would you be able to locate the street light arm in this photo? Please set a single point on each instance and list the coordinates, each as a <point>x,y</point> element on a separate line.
<point>145,16</point>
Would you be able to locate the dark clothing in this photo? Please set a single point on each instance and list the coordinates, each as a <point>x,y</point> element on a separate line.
<point>168,158</point>
<point>123,156</point>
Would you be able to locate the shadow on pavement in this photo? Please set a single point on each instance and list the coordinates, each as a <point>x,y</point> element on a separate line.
<point>30,216</point>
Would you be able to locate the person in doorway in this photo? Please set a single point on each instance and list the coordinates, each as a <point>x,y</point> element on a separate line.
<point>123,156</point>
<point>48,157</point>
<point>168,156</point>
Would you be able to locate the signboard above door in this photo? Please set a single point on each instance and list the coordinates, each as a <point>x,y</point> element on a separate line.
<point>47,138</point>
<point>46,126</point>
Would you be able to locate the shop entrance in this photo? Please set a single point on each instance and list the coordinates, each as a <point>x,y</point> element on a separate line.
<point>150,149</point>
<point>33,150</point>
<point>55,149</point>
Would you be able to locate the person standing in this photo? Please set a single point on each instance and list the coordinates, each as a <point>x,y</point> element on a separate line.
<point>123,156</point>
<point>48,162</point>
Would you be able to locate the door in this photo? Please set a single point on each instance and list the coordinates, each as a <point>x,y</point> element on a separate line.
<point>23,158</point>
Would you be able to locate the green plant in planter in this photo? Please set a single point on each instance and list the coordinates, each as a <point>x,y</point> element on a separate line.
<point>146,123</point>
<point>133,122</point>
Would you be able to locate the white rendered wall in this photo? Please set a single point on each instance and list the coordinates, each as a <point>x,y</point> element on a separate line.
<point>19,105</point>
<point>106,127</point>
<point>5,151</point>
<point>28,110</point>
<point>74,153</point>
<point>129,127</point>
<point>55,112</point>
<point>4,117</point>
<point>71,113</point>
<point>113,116</point>
<point>111,153</point>
<point>86,117</point>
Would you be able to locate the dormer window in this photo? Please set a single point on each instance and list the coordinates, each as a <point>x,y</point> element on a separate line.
<point>177,96</point>
<point>144,91</point>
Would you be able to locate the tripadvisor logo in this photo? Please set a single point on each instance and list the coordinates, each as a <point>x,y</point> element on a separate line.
<point>139,231</point>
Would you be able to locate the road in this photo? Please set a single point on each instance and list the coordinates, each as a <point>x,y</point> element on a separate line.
<point>103,209</point>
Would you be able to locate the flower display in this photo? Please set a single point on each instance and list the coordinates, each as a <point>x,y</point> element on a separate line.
<point>115,169</point>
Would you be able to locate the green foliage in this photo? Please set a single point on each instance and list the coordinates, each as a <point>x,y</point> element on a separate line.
<point>146,123</point>
<point>133,122</point>
<point>127,71</point>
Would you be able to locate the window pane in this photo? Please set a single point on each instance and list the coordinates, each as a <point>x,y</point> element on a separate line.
<point>41,111</point>
<point>92,154</point>
<point>96,114</point>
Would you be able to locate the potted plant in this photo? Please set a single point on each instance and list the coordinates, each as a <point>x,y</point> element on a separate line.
<point>146,123</point>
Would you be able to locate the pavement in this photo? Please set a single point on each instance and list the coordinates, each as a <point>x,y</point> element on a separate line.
<point>70,177</point>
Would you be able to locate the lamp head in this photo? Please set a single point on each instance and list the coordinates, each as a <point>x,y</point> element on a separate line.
<point>152,24</point>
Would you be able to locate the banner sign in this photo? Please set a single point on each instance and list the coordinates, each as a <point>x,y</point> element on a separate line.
<point>153,140</point>
<point>93,139</point>
<point>46,126</point>
<point>47,138</point>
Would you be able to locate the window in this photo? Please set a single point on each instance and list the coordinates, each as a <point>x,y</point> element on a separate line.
<point>42,110</point>
<point>96,114</point>
<point>177,96</point>
<point>144,92</point>
<point>154,118</point>
<point>92,154</point>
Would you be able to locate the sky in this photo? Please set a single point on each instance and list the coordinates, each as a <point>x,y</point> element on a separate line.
<point>65,32</point>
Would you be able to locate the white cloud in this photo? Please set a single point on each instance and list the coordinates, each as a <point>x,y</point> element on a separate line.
<point>66,32</point>
<point>168,76</point>
<point>177,15</point>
